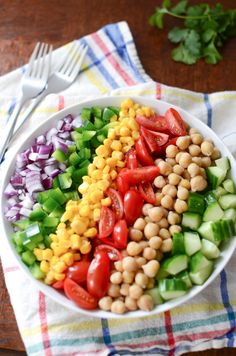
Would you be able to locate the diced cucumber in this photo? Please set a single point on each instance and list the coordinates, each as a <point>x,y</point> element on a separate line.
<point>196,203</point>
<point>191,220</point>
<point>219,191</point>
<point>37,215</point>
<point>161,274</point>
<point>87,135</point>
<point>192,243</point>
<point>107,115</point>
<point>230,214</point>
<point>98,123</point>
<point>18,238</point>
<point>228,201</point>
<point>74,158</point>
<point>97,112</point>
<point>36,271</point>
<point>22,224</point>
<point>59,155</point>
<point>184,276</point>
<point>175,264</point>
<point>209,249</point>
<point>178,244</point>
<point>198,262</point>
<point>50,204</point>
<point>57,195</point>
<point>207,232</point>
<point>50,221</point>
<point>210,197</point>
<point>86,113</point>
<point>229,185</point>
<point>201,276</point>
<point>172,288</point>
<point>228,227</point>
<point>155,294</point>
<point>65,180</point>
<point>28,258</point>
<point>223,163</point>
<point>213,212</point>
<point>215,176</point>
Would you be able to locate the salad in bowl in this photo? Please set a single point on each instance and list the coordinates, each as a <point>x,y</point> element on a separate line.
<point>121,205</point>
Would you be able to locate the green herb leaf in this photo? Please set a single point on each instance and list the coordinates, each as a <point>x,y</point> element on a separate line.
<point>211,54</point>
<point>182,54</point>
<point>177,34</point>
<point>192,42</point>
<point>208,35</point>
<point>180,8</point>
<point>166,4</point>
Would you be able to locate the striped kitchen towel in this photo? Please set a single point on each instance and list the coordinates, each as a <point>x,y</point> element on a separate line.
<point>207,321</point>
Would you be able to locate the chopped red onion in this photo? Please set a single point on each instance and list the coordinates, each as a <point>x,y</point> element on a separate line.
<point>33,156</point>
<point>40,140</point>
<point>60,124</point>
<point>68,119</point>
<point>33,182</point>
<point>64,135</point>
<point>10,191</point>
<point>52,132</point>
<point>25,212</point>
<point>47,183</point>
<point>17,181</point>
<point>55,173</point>
<point>62,166</point>
<point>49,169</point>
<point>33,167</point>
<point>61,145</point>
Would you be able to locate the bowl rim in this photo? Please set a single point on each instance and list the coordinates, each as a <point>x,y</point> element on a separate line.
<point>157,105</point>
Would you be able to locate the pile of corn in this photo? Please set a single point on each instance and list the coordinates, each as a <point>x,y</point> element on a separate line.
<point>79,222</point>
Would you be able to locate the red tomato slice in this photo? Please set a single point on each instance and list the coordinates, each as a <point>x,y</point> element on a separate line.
<point>106,222</point>
<point>120,234</point>
<point>122,185</point>
<point>142,153</point>
<point>58,285</point>
<point>79,295</point>
<point>155,122</point>
<point>131,157</point>
<point>175,122</point>
<point>113,253</point>
<point>140,174</point>
<point>78,271</point>
<point>98,278</point>
<point>117,202</point>
<point>147,192</point>
<point>154,139</point>
<point>133,204</point>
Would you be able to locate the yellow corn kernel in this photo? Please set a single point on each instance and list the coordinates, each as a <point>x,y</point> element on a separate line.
<point>106,176</point>
<point>83,188</point>
<point>75,241</point>
<point>106,201</point>
<point>61,225</point>
<point>135,135</point>
<point>38,254</point>
<point>54,260</point>
<point>96,214</point>
<point>79,226</point>
<point>97,205</point>
<point>97,174</point>
<point>117,155</point>
<point>107,142</point>
<point>113,173</point>
<point>90,232</point>
<point>44,266</point>
<point>65,244</point>
<point>99,162</point>
<point>106,169</point>
<point>47,254</point>
<point>85,210</point>
<point>58,251</point>
<point>116,145</point>
<point>126,104</point>
<point>103,184</point>
<point>133,125</point>
<point>54,238</point>
<point>85,247</point>
<point>77,256</point>
<point>132,112</point>
<point>68,258</point>
<point>117,130</point>
<point>49,278</point>
<point>139,111</point>
<point>62,234</point>
<point>91,168</point>
<point>111,134</point>
<point>111,162</point>
<point>102,151</point>
<point>87,179</point>
<point>96,196</point>
<point>124,131</point>
<point>66,216</point>
<point>59,276</point>
<point>136,106</point>
<point>59,267</point>
<point>113,118</point>
<point>147,111</point>
<point>120,164</point>
<point>92,223</point>
<point>125,139</point>
<point>126,148</point>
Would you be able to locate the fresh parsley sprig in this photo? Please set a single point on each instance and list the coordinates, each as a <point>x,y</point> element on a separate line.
<point>205,29</point>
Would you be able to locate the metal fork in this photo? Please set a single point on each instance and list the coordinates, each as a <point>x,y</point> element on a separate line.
<point>62,78</point>
<point>32,84</point>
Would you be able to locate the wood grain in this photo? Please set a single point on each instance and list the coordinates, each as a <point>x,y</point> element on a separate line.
<point>23,22</point>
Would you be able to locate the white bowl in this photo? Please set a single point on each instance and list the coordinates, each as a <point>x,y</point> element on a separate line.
<point>6,229</point>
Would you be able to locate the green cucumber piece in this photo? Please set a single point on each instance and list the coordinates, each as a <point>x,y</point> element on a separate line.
<point>196,203</point>
<point>79,173</point>
<point>191,220</point>
<point>72,195</point>
<point>184,276</point>
<point>207,231</point>
<point>50,204</point>
<point>74,159</point>
<point>155,294</point>
<point>228,201</point>
<point>198,262</point>
<point>71,149</point>
<point>172,288</point>
<point>210,197</point>
<point>161,274</point>
<point>213,212</point>
<point>228,228</point>
<point>223,163</point>
<point>38,215</point>
<point>57,212</point>
<point>209,249</point>
<point>175,264</point>
<point>18,238</point>
<point>201,276</point>
<point>97,112</point>
<point>43,196</point>
<point>230,214</point>
<point>215,176</point>
<point>178,244</point>
<point>115,109</point>
<point>88,135</point>
<point>86,113</point>
<point>107,114</point>
<point>57,195</point>
<point>219,191</point>
<point>36,271</point>
<point>65,180</point>
<point>98,123</point>
<point>28,258</point>
<point>59,155</point>
<point>192,243</point>
<point>229,186</point>
<point>50,221</point>
<point>22,224</point>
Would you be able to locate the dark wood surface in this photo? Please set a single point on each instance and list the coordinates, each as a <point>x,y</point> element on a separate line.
<point>23,22</point>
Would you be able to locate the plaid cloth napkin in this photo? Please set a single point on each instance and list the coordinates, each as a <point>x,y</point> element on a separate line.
<point>208,320</point>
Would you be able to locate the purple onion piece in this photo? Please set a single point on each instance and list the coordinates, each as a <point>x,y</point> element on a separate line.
<point>40,140</point>
<point>17,181</point>
<point>68,119</point>
<point>10,191</point>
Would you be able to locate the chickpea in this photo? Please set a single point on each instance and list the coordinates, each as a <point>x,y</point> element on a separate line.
<point>174,179</point>
<point>203,173</point>
<point>141,260</point>
<point>180,206</point>
<point>159,196</point>
<point>159,255</point>
<point>177,158</point>
<point>124,253</point>
<point>171,151</point>
<point>194,150</point>
<point>147,219</point>
<point>143,244</point>
<point>166,245</point>
<point>164,233</point>
<point>193,169</point>
<point>207,148</point>
<point>170,161</point>
<point>198,184</point>
<point>129,264</point>
<point>205,162</point>
<point>139,224</point>
<point>133,248</point>
<point>170,190</point>
<point>159,182</point>
<point>150,230</point>
<point>141,280</point>
<point>128,277</point>
<point>149,253</point>
<point>151,283</point>
<point>146,207</point>
<point>155,242</point>
<point>116,278</point>
<point>113,290</point>
<point>185,159</point>
<point>186,175</point>
<point>182,193</point>
<point>177,169</point>
<point>193,131</point>
<point>155,214</point>
<point>165,212</point>
<point>163,223</point>
<point>167,202</point>
<point>135,291</point>
<point>151,268</point>
<point>165,168</point>
<point>197,138</point>
<point>135,234</point>
<point>183,142</point>
<point>197,160</point>
<point>174,229</point>
<point>118,266</point>
<point>131,303</point>
<point>157,161</point>
<point>105,303</point>
<point>215,154</point>
<point>173,218</point>
<point>118,307</point>
<point>145,302</point>
<point>185,183</point>
<point>124,289</point>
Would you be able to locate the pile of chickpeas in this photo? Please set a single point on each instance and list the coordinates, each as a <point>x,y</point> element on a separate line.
<point>150,237</point>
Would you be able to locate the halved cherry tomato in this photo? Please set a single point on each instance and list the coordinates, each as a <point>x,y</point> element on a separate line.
<point>106,222</point>
<point>122,185</point>
<point>120,234</point>
<point>155,122</point>
<point>154,139</point>
<point>79,295</point>
<point>142,153</point>
<point>117,202</point>
<point>131,157</point>
<point>140,174</point>
<point>147,192</point>
<point>112,252</point>
<point>58,285</point>
<point>78,271</point>
<point>175,122</point>
<point>133,204</point>
<point>98,277</point>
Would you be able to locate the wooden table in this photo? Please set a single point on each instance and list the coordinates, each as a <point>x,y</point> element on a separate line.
<point>23,22</point>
